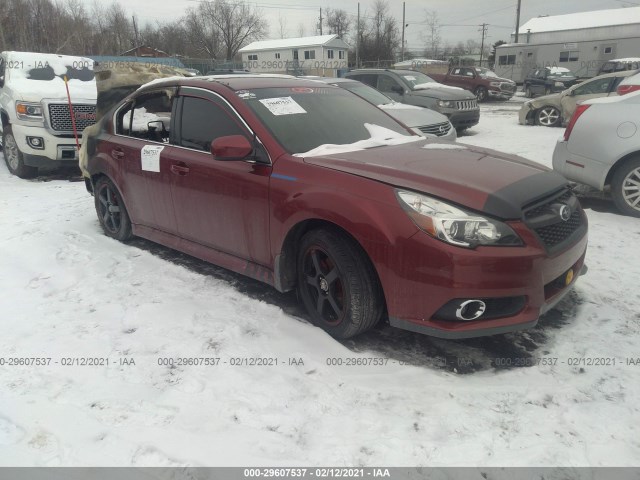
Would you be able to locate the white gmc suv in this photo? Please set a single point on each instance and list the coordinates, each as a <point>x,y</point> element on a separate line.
<point>37,128</point>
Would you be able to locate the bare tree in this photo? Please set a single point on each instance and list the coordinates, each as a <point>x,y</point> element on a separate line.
<point>378,33</point>
<point>282,25</point>
<point>301,30</point>
<point>432,36</point>
<point>239,24</point>
<point>338,22</point>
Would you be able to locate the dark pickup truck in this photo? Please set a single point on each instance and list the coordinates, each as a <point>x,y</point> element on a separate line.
<point>481,81</point>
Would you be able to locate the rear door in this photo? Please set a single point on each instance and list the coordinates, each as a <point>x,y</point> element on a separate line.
<point>220,204</point>
<point>144,125</point>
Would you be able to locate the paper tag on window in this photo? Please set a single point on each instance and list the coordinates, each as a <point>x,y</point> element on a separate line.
<point>150,158</point>
<point>282,106</point>
<point>411,78</point>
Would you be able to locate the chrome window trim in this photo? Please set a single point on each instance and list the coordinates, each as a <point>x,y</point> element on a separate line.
<point>235,112</point>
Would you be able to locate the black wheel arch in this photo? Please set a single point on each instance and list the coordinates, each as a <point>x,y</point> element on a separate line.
<point>285,261</point>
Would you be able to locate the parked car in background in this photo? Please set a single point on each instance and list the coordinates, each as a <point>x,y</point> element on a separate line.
<point>556,109</point>
<point>619,65</point>
<point>36,120</point>
<point>416,88</point>
<point>307,186</point>
<point>601,148</point>
<point>484,83</point>
<point>422,121</point>
<point>629,85</point>
<point>543,81</point>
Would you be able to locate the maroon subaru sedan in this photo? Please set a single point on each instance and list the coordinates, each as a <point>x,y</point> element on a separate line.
<point>307,186</point>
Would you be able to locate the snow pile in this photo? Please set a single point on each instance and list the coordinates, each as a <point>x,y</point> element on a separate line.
<point>436,86</point>
<point>141,119</point>
<point>380,136</point>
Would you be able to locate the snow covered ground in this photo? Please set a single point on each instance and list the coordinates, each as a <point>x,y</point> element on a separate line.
<point>68,292</point>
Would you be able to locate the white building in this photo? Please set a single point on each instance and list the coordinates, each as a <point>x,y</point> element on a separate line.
<point>320,55</point>
<point>581,42</point>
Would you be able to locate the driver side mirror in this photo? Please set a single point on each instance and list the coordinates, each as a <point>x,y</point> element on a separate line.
<point>231,147</point>
<point>398,89</point>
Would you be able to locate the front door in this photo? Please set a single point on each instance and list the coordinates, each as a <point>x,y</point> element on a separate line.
<point>220,204</point>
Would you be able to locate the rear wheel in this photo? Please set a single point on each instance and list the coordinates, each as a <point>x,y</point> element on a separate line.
<point>625,187</point>
<point>337,284</point>
<point>481,94</point>
<point>112,214</point>
<point>14,157</point>
<point>548,116</point>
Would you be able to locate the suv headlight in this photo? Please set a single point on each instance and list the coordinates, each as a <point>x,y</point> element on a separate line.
<point>446,103</point>
<point>559,84</point>
<point>454,225</point>
<point>495,84</point>
<point>29,111</point>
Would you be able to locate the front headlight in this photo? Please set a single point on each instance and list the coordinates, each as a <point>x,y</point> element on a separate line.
<point>454,225</point>
<point>446,103</point>
<point>495,84</point>
<point>559,84</point>
<point>29,111</point>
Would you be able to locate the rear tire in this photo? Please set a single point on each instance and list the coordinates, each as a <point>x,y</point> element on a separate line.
<point>337,284</point>
<point>625,187</point>
<point>112,214</point>
<point>13,157</point>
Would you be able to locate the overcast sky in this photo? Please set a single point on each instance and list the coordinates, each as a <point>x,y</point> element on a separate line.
<point>466,15</point>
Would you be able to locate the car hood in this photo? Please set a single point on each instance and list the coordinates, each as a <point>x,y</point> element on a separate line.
<point>498,79</point>
<point>443,92</point>
<point>562,79</point>
<point>414,116</point>
<point>484,180</point>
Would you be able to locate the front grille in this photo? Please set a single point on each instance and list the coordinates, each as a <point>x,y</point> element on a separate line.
<point>552,235</point>
<point>545,220</point>
<point>508,87</point>
<point>60,117</point>
<point>437,129</point>
<point>467,104</point>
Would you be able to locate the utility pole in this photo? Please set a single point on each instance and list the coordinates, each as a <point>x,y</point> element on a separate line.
<point>320,20</point>
<point>484,34</point>
<point>403,25</point>
<point>358,39</point>
<point>517,20</point>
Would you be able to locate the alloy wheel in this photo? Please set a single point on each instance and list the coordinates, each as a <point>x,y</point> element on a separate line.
<point>109,209</point>
<point>548,116</point>
<point>324,285</point>
<point>631,189</point>
<point>11,152</point>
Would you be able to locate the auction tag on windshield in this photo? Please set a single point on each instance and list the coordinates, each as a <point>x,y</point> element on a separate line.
<point>150,157</point>
<point>282,106</point>
<point>410,78</point>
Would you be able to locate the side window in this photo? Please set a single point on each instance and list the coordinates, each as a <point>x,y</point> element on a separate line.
<point>369,79</point>
<point>596,86</point>
<point>456,71</point>
<point>469,72</point>
<point>148,117</point>
<point>203,121</point>
<point>386,84</point>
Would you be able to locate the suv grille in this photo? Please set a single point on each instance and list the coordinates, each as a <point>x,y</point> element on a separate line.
<point>467,104</point>
<point>60,118</point>
<point>546,222</point>
<point>437,129</point>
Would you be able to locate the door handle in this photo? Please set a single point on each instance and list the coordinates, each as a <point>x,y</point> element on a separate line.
<point>179,169</point>
<point>117,153</point>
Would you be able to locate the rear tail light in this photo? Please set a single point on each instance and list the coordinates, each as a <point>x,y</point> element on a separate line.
<point>624,89</point>
<point>580,109</point>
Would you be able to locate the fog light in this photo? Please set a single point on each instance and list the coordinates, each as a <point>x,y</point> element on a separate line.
<point>36,142</point>
<point>470,310</point>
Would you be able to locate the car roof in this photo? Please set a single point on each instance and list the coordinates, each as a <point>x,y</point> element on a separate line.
<point>334,80</point>
<point>381,70</point>
<point>235,82</point>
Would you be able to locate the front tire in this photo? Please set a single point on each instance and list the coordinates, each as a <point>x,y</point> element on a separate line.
<point>548,116</point>
<point>112,213</point>
<point>13,157</point>
<point>481,94</point>
<point>337,284</point>
<point>625,187</point>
